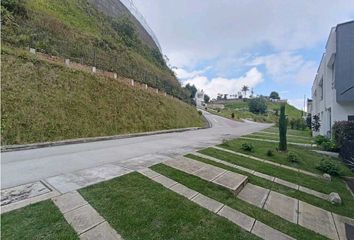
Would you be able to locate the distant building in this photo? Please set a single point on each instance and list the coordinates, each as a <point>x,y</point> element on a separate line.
<point>309,105</point>
<point>333,87</point>
<point>199,98</point>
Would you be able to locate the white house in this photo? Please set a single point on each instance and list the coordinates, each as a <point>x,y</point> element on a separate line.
<point>333,87</point>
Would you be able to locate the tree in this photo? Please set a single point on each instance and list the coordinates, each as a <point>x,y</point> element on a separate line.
<point>316,123</point>
<point>206,98</point>
<point>308,120</point>
<point>257,105</point>
<point>225,96</point>
<point>282,129</point>
<point>192,90</point>
<point>274,95</point>
<point>245,89</point>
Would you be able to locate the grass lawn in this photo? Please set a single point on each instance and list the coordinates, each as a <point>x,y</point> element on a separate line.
<point>225,196</point>
<point>139,208</point>
<point>259,135</point>
<point>42,220</point>
<point>346,209</point>
<point>308,159</point>
<point>305,133</point>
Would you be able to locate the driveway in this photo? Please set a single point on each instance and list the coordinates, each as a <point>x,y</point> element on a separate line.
<point>20,167</point>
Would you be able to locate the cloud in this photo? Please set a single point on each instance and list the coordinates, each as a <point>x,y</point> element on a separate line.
<point>193,31</point>
<point>222,85</point>
<point>287,66</point>
<point>184,74</point>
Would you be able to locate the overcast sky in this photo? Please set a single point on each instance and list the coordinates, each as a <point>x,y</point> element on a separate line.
<point>220,45</point>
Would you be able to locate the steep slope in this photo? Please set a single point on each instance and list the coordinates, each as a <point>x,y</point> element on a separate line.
<point>85,31</point>
<point>47,102</point>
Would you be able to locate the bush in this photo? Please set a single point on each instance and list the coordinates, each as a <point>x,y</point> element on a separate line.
<point>247,147</point>
<point>293,157</point>
<point>282,129</point>
<point>329,145</point>
<point>320,139</point>
<point>270,153</point>
<point>298,124</point>
<point>257,105</point>
<point>329,166</point>
<point>342,131</point>
<point>200,113</point>
<point>232,115</point>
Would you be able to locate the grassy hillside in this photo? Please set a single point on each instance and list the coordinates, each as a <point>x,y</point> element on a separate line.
<point>241,111</point>
<point>75,29</point>
<point>47,102</point>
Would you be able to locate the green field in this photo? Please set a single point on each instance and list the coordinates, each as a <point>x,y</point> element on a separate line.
<point>139,208</point>
<point>241,111</point>
<point>42,220</point>
<point>47,102</point>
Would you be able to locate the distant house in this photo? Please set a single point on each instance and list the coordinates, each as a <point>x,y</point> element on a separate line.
<point>199,98</point>
<point>333,87</point>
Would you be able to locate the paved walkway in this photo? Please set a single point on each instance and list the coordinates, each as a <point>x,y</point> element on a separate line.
<point>240,219</point>
<point>267,177</point>
<point>268,162</point>
<point>276,141</point>
<point>87,223</point>
<point>293,210</point>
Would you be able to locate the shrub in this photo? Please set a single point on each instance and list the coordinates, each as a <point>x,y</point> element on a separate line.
<point>329,145</point>
<point>247,147</point>
<point>257,105</point>
<point>200,113</point>
<point>342,131</point>
<point>320,139</point>
<point>293,157</point>
<point>328,166</point>
<point>316,123</point>
<point>270,153</point>
<point>232,115</point>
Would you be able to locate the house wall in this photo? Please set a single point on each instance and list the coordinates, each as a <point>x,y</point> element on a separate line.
<point>328,107</point>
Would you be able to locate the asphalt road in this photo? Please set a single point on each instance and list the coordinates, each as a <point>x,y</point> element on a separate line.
<point>20,167</point>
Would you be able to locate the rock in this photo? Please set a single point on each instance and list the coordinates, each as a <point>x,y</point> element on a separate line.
<point>334,198</point>
<point>327,177</point>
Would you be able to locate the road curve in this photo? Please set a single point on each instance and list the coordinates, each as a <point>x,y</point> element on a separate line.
<point>20,167</point>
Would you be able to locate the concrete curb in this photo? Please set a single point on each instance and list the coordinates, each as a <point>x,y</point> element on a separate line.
<point>12,148</point>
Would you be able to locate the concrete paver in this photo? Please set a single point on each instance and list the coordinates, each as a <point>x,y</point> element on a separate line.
<point>102,231</point>
<point>313,192</point>
<point>264,231</point>
<point>239,218</point>
<point>254,194</point>
<point>283,206</point>
<point>184,165</point>
<point>286,183</point>
<point>167,182</point>
<point>209,173</point>
<point>265,176</point>
<point>83,218</point>
<point>340,222</point>
<point>69,201</point>
<point>147,172</point>
<point>208,203</point>
<point>317,219</point>
<point>233,181</point>
<point>76,180</point>
<point>184,191</point>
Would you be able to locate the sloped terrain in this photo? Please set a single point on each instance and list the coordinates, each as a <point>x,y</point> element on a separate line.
<point>47,102</point>
<point>85,31</point>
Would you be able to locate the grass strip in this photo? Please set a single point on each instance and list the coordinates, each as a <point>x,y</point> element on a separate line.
<point>41,220</point>
<point>345,209</point>
<point>223,195</point>
<point>139,208</point>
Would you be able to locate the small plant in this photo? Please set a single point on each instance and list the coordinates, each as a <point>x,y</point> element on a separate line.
<point>225,143</point>
<point>329,146</point>
<point>218,110</point>
<point>320,139</point>
<point>247,147</point>
<point>232,115</point>
<point>329,166</point>
<point>282,129</point>
<point>200,113</point>
<point>316,123</point>
<point>270,153</point>
<point>293,157</point>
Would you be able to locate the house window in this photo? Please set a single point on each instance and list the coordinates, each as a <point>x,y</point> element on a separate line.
<point>321,88</point>
<point>350,117</point>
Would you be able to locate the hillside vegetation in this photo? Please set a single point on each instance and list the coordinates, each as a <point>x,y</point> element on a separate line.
<point>47,102</point>
<point>76,29</point>
<point>241,111</point>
